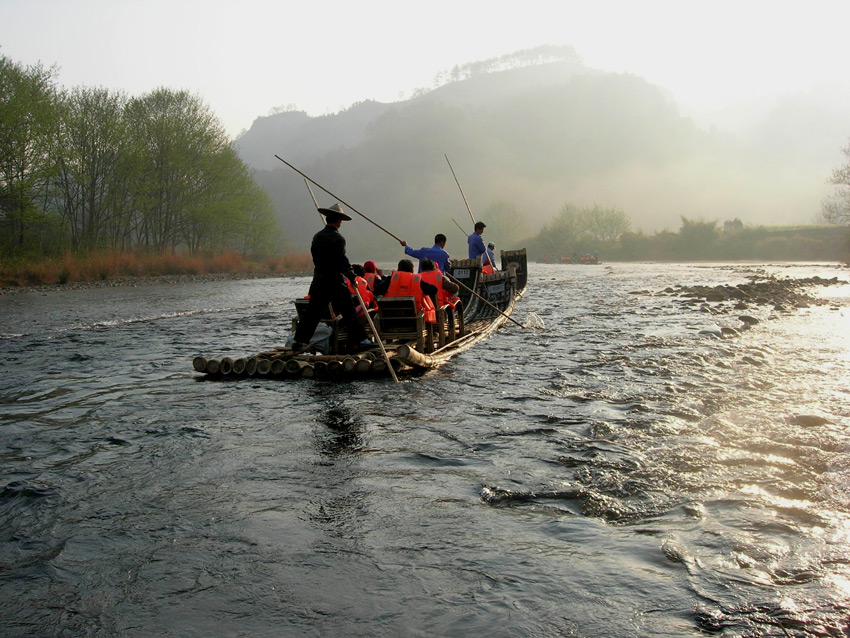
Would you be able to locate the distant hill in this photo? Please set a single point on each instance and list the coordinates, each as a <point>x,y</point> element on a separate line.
<point>525,141</point>
<point>302,138</point>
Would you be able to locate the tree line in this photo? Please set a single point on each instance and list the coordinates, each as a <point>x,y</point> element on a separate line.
<point>584,230</point>
<point>90,169</point>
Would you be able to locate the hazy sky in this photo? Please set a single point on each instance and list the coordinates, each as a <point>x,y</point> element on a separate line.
<point>245,57</point>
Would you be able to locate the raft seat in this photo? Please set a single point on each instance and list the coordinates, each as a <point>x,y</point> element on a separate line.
<point>449,323</point>
<point>398,320</point>
<point>339,334</point>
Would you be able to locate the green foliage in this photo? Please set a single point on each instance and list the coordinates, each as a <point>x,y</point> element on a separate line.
<point>28,117</point>
<point>91,170</point>
<point>90,189</point>
<point>697,239</point>
<point>581,230</point>
<point>572,233</point>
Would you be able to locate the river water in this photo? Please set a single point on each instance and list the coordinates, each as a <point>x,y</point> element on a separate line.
<point>618,472</point>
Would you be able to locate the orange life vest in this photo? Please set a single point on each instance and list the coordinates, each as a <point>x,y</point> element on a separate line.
<point>365,291</point>
<point>435,278</point>
<point>406,284</point>
<point>487,269</point>
<point>370,280</point>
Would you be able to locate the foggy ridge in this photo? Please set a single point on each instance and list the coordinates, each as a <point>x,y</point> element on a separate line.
<point>537,138</point>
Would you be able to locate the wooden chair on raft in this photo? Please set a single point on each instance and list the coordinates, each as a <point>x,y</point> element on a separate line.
<point>339,335</point>
<point>449,323</point>
<point>398,320</point>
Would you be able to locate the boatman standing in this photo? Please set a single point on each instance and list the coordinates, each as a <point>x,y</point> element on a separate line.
<point>331,271</point>
<point>476,244</point>
<point>437,253</point>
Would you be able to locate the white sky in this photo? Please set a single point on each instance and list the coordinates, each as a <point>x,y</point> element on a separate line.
<point>244,57</point>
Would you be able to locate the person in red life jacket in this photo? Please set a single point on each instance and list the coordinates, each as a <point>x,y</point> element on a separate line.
<point>331,271</point>
<point>404,283</point>
<point>437,253</point>
<point>446,290</point>
<point>488,260</point>
<point>372,274</point>
<point>362,286</point>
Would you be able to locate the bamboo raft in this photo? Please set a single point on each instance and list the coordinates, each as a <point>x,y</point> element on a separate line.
<point>412,346</point>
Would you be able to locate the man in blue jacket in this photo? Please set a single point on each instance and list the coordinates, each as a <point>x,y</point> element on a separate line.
<point>437,253</point>
<point>476,244</point>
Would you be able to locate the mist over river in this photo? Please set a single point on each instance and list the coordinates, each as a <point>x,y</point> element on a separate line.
<point>620,472</point>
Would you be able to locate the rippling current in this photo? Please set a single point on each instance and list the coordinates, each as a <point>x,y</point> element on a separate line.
<point>619,472</point>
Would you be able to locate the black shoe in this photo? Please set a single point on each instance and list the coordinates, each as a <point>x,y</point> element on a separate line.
<point>298,346</point>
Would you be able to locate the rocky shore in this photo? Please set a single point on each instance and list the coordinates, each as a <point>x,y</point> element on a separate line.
<point>144,281</point>
<point>759,296</point>
<point>781,294</point>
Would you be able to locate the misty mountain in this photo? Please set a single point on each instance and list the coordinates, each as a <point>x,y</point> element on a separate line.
<point>526,141</point>
<point>303,138</point>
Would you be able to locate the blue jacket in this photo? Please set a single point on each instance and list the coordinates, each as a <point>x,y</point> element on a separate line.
<point>476,246</point>
<point>436,254</point>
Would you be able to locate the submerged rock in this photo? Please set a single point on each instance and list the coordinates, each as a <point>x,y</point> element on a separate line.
<point>781,294</point>
<point>809,420</point>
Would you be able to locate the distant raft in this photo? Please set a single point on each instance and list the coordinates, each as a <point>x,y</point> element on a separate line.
<point>412,344</point>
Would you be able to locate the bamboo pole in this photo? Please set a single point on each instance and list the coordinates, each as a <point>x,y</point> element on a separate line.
<point>469,210</point>
<point>375,332</point>
<point>338,198</point>
<point>465,287</point>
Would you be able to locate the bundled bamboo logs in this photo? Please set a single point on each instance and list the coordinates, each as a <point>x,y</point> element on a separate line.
<point>282,364</point>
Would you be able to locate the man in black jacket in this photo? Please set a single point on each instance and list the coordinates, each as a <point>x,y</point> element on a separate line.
<point>332,268</point>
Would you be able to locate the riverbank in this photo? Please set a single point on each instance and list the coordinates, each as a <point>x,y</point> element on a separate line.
<point>134,282</point>
<point>111,269</point>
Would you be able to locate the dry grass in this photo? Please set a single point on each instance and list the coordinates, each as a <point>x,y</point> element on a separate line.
<point>113,265</point>
<point>293,262</point>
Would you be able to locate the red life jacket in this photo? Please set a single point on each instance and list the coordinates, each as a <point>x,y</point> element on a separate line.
<point>435,278</point>
<point>370,279</point>
<point>406,284</point>
<point>487,269</point>
<point>365,291</point>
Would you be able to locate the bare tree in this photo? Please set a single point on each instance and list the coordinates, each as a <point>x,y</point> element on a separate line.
<point>836,209</point>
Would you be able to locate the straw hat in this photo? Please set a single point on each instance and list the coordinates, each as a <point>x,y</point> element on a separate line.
<point>333,213</point>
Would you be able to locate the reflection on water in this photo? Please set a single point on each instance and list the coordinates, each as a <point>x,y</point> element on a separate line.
<point>624,465</point>
<point>341,428</point>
